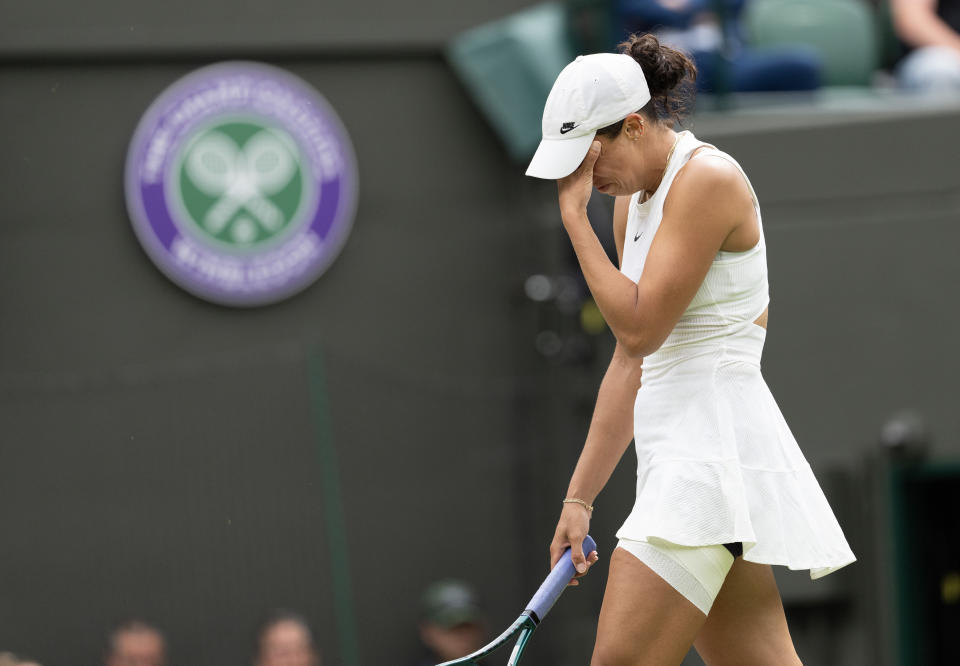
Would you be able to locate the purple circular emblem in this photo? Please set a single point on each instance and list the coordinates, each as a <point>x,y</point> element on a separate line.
<point>241,183</point>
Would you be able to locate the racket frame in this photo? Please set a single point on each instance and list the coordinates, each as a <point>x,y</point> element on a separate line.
<point>536,610</point>
<point>523,625</point>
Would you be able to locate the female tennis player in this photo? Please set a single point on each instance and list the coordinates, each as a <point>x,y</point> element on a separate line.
<point>723,490</point>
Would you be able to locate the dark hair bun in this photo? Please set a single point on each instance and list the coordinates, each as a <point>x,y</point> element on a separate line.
<point>670,74</point>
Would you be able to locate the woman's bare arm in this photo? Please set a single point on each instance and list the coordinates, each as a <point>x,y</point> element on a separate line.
<point>610,432</point>
<point>611,428</point>
<point>708,201</point>
<point>918,25</point>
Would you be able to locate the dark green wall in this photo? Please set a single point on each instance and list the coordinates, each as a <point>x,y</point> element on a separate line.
<point>159,452</point>
<point>160,455</point>
<point>52,28</point>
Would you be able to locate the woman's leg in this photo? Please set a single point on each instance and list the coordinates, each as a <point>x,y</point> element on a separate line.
<point>746,625</point>
<point>644,621</point>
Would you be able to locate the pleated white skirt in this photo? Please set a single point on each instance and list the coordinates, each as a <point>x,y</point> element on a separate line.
<point>718,464</point>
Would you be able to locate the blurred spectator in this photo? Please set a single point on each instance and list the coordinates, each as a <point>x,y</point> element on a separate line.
<point>10,659</point>
<point>710,31</point>
<point>285,639</point>
<point>931,28</point>
<point>136,643</point>
<point>452,624</point>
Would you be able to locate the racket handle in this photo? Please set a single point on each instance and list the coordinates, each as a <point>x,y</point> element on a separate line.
<point>556,582</point>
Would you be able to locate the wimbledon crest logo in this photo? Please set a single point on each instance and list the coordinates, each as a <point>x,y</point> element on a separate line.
<point>241,184</point>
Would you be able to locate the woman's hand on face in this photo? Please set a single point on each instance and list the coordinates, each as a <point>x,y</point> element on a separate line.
<point>575,189</point>
<point>571,531</point>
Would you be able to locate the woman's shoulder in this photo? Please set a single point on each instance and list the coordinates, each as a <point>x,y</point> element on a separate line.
<point>710,186</point>
<point>711,172</point>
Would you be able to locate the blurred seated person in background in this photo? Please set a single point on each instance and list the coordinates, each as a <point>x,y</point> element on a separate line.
<point>451,624</point>
<point>931,28</point>
<point>285,639</point>
<point>135,643</point>
<point>10,659</point>
<point>724,62</point>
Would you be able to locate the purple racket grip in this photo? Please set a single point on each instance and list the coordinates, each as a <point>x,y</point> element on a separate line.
<point>557,581</point>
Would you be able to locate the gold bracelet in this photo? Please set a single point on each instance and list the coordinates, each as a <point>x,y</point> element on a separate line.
<point>574,500</point>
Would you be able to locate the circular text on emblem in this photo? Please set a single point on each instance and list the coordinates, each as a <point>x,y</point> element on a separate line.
<point>241,183</point>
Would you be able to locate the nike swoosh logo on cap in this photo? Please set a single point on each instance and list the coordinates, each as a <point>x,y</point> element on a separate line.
<point>568,127</point>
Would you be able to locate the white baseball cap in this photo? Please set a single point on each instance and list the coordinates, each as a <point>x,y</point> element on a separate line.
<point>591,92</point>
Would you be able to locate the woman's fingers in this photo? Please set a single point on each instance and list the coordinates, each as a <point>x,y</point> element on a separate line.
<point>586,166</point>
<point>591,157</point>
<point>591,560</point>
<point>557,546</point>
<point>575,189</point>
<point>576,554</point>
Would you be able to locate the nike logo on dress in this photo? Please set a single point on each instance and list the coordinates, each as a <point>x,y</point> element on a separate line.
<point>568,127</point>
<point>637,237</point>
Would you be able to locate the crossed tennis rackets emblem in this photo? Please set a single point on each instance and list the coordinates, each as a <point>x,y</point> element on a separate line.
<point>242,179</point>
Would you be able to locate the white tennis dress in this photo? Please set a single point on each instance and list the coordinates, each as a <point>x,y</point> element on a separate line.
<point>717,463</point>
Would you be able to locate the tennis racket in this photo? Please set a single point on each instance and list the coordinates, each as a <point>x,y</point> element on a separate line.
<point>536,610</point>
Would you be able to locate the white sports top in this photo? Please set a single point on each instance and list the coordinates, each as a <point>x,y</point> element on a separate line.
<point>734,292</point>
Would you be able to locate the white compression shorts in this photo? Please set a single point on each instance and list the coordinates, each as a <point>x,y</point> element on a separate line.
<point>696,572</point>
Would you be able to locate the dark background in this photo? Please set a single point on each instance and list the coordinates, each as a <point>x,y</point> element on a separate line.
<point>165,457</point>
